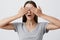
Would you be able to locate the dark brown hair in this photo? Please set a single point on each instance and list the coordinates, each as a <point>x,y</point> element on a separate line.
<point>35,17</point>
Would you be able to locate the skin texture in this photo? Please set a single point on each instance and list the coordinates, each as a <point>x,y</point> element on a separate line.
<point>29,9</point>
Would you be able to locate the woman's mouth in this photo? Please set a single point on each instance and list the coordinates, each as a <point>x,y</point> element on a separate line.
<point>29,15</point>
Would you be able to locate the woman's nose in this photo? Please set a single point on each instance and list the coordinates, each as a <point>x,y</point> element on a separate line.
<point>29,11</point>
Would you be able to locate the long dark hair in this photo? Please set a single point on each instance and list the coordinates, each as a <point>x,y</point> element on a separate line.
<point>35,17</point>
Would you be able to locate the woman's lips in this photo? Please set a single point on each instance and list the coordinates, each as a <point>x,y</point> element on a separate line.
<point>29,15</point>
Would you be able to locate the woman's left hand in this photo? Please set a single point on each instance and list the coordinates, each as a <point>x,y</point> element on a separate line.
<point>37,11</point>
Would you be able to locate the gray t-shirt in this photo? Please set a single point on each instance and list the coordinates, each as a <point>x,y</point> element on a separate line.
<point>36,34</point>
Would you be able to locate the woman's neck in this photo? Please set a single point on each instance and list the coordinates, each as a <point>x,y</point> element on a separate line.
<point>30,22</point>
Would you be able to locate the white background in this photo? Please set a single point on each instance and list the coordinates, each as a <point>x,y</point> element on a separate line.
<point>9,8</point>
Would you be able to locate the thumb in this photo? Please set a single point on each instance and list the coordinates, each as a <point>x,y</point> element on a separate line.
<point>38,7</point>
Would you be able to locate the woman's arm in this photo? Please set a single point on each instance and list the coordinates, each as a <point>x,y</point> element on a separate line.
<point>5,23</point>
<point>54,23</point>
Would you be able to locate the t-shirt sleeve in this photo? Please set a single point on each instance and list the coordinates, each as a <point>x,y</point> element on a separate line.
<point>44,27</point>
<point>15,26</point>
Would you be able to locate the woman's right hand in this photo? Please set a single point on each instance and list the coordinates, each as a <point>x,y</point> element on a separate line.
<point>22,11</point>
<point>5,23</point>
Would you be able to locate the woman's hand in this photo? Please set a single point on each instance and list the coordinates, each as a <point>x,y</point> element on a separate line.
<point>37,11</point>
<point>22,11</point>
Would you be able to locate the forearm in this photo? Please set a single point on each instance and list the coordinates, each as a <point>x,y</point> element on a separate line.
<point>51,19</point>
<point>7,20</point>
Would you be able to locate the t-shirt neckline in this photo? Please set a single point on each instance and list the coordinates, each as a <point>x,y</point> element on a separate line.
<point>26,30</point>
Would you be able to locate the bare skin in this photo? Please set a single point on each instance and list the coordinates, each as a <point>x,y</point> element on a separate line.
<point>54,23</point>
<point>30,24</point>
<point>6,23</point>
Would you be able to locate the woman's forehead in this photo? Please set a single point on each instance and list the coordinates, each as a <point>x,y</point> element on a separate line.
<point>29,5</point>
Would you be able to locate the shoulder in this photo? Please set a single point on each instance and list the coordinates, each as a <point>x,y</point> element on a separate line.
<point>44,26</point>
<point>17,23</point>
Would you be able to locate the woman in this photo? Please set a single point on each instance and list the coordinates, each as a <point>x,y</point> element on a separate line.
<point>30,29</point>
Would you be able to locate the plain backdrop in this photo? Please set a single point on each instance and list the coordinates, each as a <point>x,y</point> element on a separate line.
<point>10,8</point>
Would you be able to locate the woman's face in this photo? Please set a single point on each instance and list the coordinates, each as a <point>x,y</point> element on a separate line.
<point>30,15</point>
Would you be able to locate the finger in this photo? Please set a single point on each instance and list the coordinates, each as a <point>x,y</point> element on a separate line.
<point>21,8</point>
<point>27,9</point>
<point>39,7</point>
<point>32,9</point>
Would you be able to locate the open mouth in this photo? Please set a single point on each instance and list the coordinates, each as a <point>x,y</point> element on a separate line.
<point>29,15</point>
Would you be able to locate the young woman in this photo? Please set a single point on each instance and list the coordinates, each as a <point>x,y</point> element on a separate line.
<point>30,29</point>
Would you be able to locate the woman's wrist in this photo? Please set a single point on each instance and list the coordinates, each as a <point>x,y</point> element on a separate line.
<point>42,15</point>
<point>18,16</point>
